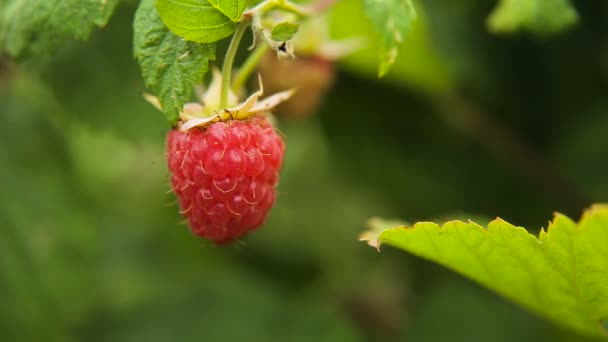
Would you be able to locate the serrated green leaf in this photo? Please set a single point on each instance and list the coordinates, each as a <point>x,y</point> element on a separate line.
<point>284,31</point>
<point>203,21</point>
<point>562,274</point>
<point>392,20</point>
<point>170,65</point>
<point>233,9</point>
<point>33,27</point>
<point>539,16</point>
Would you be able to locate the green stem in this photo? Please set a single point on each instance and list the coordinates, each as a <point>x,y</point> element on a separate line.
<point>249,66</point>
<point>285,5</point>
<point>295,9</point>
<point>252,61</point>
<point>229,60</point>
<point>264,7</point>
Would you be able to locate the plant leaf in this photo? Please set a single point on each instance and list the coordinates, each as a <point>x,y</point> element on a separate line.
<point>33,27</point>
<point>562,274</point>
<point>392,20</point>
<point>203,21</point>
<point>284,31</point>
<point>170,65</point>
<point>539,16</point>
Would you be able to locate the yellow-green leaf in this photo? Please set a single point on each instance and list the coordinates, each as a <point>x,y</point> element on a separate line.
<point>538,16</point>
<point>33,27</point>
<point>284,31</point>
<point>562,274</point>
<point>170,65</point>
<point>203,21</point>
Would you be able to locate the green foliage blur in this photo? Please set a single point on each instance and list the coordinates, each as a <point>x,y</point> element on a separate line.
<point>468,124</point>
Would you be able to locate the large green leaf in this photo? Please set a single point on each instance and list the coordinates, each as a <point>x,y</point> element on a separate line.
<point>391,20</point>
<point>203,21</point>
<point>170,65</point>
<point>37,26</point>
<point>539,16</point>
<point>562,274</point>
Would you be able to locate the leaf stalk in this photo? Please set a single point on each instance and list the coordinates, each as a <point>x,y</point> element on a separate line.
<point>229,59</point>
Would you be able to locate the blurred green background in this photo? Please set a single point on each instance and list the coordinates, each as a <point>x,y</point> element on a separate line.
<point>468,124</point>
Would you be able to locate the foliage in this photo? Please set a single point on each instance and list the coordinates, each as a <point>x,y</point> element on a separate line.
<point>203,21</point>
<point>92,247</point>
<point>562,274</point>
<point>32,27</point>
<point>170,65</point>
<point>540,16</point>
<point>284,31</point>
<point>391,20</point>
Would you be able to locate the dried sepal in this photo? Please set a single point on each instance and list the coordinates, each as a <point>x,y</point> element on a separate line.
<point>196,114</point>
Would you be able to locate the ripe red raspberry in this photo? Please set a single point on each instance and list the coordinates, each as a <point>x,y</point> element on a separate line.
<point>224,175</point>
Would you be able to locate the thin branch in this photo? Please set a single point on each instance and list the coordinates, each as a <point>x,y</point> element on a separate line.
<point>229,59</point>
<point>504,143</point>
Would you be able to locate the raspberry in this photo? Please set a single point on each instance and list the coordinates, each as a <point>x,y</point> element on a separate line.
<point>224,175</point>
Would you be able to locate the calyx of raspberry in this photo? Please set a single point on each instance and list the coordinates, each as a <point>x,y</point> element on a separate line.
<point>208,110</point>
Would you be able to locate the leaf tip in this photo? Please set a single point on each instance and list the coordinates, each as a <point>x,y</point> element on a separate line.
<point>497,220</point>
<point>596,208</point>
<point>371,238</point>
<point>372,235</point>
<point>376,227</point>
<point>557,216</point>
<point>153,100</point>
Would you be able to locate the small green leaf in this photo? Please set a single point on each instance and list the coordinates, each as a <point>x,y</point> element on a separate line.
<point>539,16</point>
<point>34,27</point>
<point>169,64</point>
<point>562,274</point>
<point>392,20</point>
<point>203,21</point>
<point>284,31</point>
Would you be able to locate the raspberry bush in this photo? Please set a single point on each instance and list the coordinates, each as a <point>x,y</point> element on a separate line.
<point>415,109</point>
<point>223,154</point>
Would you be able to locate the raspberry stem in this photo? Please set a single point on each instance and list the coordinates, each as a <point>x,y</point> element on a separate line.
<point>285,5</point>
<point>229,59</point>
<point>295,8</point>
